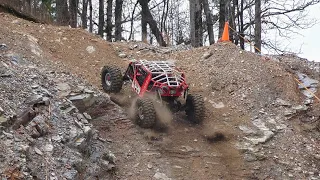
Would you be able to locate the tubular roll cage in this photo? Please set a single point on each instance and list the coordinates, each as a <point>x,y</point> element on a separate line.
<point>164,72</point>
<point>159,75</point>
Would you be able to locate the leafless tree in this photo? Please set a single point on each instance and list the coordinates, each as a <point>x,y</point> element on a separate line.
<point>63,15</point>
<point>209,21</point>
<point>148,18</point>
<point>109,20</point>
<point>257,29</point>
<point>84,14</point>
<point>118,19</point>
<point>196,33</point>
<point>90,16</point>
<point>73,7</point>
<point>101,18</point>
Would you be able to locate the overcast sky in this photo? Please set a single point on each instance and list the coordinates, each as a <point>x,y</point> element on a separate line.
<point>310,41</point>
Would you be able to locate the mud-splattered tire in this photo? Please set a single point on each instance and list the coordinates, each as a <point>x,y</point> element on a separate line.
<point>145,113</point>
<point>111,79</point>
<point>195,108</point>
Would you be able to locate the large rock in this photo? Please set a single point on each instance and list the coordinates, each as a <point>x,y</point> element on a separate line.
<point>83,101</point>
<point>37,127</point>
<point>34,99</point>
<point>267,133</point>
<point>71,174</point>
<point>3,47</point>
<point>122,55</point>
<point>161,176</point>
<point>63,86</point>
<point>300,108</point>
<point>91,49</point>
<point>307,82</point>
<point>24,118</point>
<point>206,55</point>
<point>247,130</point>
<point>3,121</point>
<point>5,72</point>
<point>282,102</point>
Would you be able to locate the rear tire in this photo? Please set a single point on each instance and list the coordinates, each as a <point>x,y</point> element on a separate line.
<point>195,108</point>
<point>111,79</point>
<point>145,113</point>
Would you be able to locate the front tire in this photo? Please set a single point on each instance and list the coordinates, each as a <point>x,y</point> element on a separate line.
<point>145,113</point>
<point>111,79</point>
<point>195,108</point>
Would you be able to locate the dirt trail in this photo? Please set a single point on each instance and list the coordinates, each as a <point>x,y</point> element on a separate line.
<point>185,146</point>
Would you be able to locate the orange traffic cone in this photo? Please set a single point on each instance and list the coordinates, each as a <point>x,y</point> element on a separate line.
<point>225,34</point>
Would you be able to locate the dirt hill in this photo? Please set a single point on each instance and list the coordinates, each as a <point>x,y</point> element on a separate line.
<point>268,123</point>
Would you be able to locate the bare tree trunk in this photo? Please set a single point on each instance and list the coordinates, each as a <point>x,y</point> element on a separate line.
<point>144,23</point>
<point>162,16</point>
<point>192,22</point>
<point>151,39</point>
<point>132,19</point>
<point>199,27</point>
<point>28,6</point>
<point>109,20</point>
<point>236,20</point>
<point>209,21</point>
<point>241,29</point>
<point>73,6</point>
<point>118,19</point>
<point>90,16</point>
<point>222,15</point>
<point>35,7</point>
<point>32,10</point>
<point>165,20</point>
<point>101,18</point>
<point>152,23</point>
<point>62,12</point>
<point>232,20</point>
<point>84,14</point>
<point>196,34</point>
<point>257,29</point>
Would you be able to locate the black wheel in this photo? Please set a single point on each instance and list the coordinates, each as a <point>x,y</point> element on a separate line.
<point>195,108</point>
<point>111,79</point>
<point>145,113</point>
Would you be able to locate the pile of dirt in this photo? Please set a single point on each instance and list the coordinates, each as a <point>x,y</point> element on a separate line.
<point>78,49</point>
<point>239,79</point>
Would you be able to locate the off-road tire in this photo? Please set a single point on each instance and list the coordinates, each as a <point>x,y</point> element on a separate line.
<point>195,108</point>
<point>116,80</point>
<point>145,108</point>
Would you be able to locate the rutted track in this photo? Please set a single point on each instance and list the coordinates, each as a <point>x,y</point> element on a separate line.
<point>189,151</point>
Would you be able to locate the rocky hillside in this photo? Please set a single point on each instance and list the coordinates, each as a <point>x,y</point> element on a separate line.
<point>56,123</point>
<point>257,99</point>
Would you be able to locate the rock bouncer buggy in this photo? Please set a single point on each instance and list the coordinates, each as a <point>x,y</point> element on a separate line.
<point>163,80</point>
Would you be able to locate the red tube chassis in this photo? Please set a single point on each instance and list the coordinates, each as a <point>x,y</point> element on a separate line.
<point>156,76</point>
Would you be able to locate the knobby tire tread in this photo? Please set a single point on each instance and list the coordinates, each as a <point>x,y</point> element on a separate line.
<point>116,77</point>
